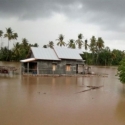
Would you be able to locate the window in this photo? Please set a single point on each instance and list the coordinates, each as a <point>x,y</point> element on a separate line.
<point>53,67</point>
<point>68,67</point>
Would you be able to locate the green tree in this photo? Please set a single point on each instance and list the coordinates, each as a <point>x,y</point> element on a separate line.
<point>121,71</point>
<point>15,36</point>
<point>51,44</point>
<point>71,44</point>
<point>35,45</point>
<point>100,43</point>
<point>118,56</point>
<point>93,47</point>
<point>25,42</point>
<point>9,35</point>
<point>1,34</point>
<point>104,57</point>
<point>86,44</point>
<point>99,47</point>
<point>25,47</point>
<point>5,54</point>
<point>86,47</point>
<point>79,41</point>
<point>16,52</point>
<point>60,40</point>
<point>44,46</point>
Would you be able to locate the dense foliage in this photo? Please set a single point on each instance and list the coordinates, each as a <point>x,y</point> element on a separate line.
<point>98,55</point>
<point>121,71</point>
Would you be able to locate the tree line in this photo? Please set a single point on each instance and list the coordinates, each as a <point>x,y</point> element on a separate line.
<point>98,54</point>
<point>18,51</point>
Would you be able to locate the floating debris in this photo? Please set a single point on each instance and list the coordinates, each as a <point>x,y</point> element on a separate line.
<point>90,88</point>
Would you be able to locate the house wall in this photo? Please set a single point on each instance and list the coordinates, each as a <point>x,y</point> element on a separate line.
<point>45,67</point>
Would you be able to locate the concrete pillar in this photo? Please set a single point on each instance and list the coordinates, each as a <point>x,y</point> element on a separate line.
<point>21,70</point>
<point>37,68</point>
<point>28,67</point>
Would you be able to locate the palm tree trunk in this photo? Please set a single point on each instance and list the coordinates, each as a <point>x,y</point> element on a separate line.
<point>1,42</point>
<point>8,44</point>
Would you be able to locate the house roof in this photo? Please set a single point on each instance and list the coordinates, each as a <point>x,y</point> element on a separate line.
<point>57,53</point>
<point>67,53</point>
<point>44,53</point>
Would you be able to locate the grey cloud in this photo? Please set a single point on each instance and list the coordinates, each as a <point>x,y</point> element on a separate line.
<point>31,8</point>
<point>107,13</point>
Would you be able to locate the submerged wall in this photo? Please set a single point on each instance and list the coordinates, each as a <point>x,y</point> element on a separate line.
<point>46,67</point>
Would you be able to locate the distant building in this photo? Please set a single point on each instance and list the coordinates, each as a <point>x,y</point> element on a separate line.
<point>58,60</point>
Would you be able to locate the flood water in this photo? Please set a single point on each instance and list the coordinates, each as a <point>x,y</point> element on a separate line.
<point>30,100</point>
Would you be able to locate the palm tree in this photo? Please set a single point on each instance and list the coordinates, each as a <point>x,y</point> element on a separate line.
<point>5,54</point>
<point>93,46</point>
<point>71,44</point>
<point>86,44</point>
<point>99,47</point>
<point>1,34</point>
<point>9,35</point>
<point>25,42</point>
<point>25,45</point>
<point>15,35</point>
<point>79,41</point>
<point>51,44</point>
<point>35,45</point>
<point>16,51</point>
<point>60,39</point>
<point>100,43</point>
<point>44,46</point>
<point>107,48</point>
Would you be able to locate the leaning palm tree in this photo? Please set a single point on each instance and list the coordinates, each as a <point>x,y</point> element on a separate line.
<point>1,34</point>
<point>79,41</point>
<point>9,35</point>
<point>61,42</point>
<point>71,44</point>
<point>51,44</point>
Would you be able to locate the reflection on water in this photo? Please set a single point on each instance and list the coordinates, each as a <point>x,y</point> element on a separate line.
<point>55,101</point>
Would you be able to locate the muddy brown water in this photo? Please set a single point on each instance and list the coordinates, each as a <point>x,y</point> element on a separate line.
<point>55,100</point>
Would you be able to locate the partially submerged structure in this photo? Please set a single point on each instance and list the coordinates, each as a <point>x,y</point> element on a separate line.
<point>58,60</point>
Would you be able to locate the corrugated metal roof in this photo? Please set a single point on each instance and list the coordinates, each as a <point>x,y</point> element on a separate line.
<point>67,53</point>
<point>44,53</point>
<point>28,60</point>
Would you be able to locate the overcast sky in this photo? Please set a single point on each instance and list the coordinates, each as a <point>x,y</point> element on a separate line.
<point>41,21</point>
